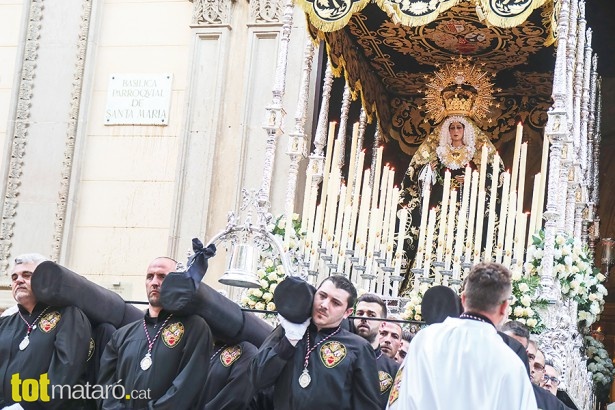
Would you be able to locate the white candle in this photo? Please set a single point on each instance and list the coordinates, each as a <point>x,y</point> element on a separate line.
<point>390,206</point>
<point>392,220</point>
<point>517,152</point>
<point>423,227</point>
<point>383,187</point>
<point>401,235</point>
<point>361,237</point>
<point>492,205</point>
<point>443,214</point>
<point>480,218</point>
<point>377,171</point>
<point>337,235</point>
<point>429,245</point>
<point>345,234</point>
<point>520,237</point>
<point>472,215</point>
<point>450,229</point>
<point>356,195</point>
<point>352,165</point>
<point>502,219</point>
<point>510,228</point>
<point>521,190</point>
<point>461,223</point>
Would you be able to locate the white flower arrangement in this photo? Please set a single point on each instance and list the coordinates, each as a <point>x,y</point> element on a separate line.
<point>412,308</point>
<point>579,279</point>
<point>524,304</point>
<point>270,271</point>
<point>600,365</point>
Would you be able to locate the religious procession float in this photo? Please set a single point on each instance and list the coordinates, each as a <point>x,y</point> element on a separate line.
<point>447,133</point>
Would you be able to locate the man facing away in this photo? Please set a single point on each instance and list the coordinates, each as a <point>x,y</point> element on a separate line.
<point>462,363</point>
<point>318,364</point>
<point>372,306</point>
<point>41,343</point>
<point>165,357</point>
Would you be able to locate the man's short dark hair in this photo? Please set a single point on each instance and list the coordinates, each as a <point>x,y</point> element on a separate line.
<point>342,282</point>
<point>372,298</point>
<point>407,336</point>
<point>516,328</point>
<point>487,286</point>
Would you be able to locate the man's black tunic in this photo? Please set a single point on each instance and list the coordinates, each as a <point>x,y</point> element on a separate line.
<point>228,384</point>
<point>180,362</point>
<point>59,345</point>
<point>343,371</point>
<point>387,370</point>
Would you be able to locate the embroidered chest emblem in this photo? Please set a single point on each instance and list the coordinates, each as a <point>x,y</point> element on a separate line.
<point>49,321</point>
<point>332,353</point>
<point>91,349</point>
<point>394,395</point>
<point>230,355</point>
<point>172,334</point>
<point>385,381</point>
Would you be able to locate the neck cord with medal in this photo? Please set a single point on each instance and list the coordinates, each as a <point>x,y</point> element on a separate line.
<point>146,362</point>
<point>26,340</point>
<point>305,379</point>
<point>217,351</point>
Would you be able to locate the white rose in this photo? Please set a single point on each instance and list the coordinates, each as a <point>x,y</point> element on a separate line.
<point>529,312</point>
<point>566,250</point>
<point>272,287</point>
<point>528,267</point>
<point>518,312</point>
<point>259,306</point>
<point>557,253</point>
<point>282,223</point>
<point>417,309</point>
<point>267,296</point>
<point>244,300</point>
<point>261,273</point>
<point>417,317</point>
<point>257,293</point>
<point>268,263</point>
<point>516,276</point>
<point>560,240</point>
<point>595,309</point>
<point>539,254</point>
<point>592,297</point>
<point>531,322</point>
<point>600,277</point>
<point>270,306</point>
<point>521,320</point>
<point>264,284</point>
<point>526,300</point>
<point>295,217</point>
<point>280,269</point>
<point>523,287</point>
<point>251,303</point>
<point>272,276</point>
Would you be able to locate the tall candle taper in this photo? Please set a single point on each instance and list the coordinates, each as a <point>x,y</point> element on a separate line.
<point>352,165</point>
<point>423,226</point>
<point>517,152</point>
<point>461,223</point>
<point>502,218</point>
<point>443,214</point>
<point>450,230</point>
<point>392,220</point>
<point>521,189</point>
<point>472,215</point>
<point>492,204</point>
<point>377,171</point>
<point>480,219</point>
<point>403,218</point>
<point>429,245</point>
<point>510,228</point>
<point>483,167</point>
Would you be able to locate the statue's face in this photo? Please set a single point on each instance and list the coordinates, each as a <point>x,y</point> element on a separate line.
<point>455,130</point>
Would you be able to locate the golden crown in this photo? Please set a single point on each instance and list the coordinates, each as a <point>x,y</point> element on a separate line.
<point>459,88</point>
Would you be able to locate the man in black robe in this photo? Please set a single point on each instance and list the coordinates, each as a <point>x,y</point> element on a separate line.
<point>228,385</point>
<point>165,355</point>
<point>318,364</point>
<point>41,346</point>
<point>372,306</point>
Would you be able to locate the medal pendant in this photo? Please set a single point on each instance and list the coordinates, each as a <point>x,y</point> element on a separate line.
<point>24,343</point>
<point>146,362</point>
<point>305,379</point>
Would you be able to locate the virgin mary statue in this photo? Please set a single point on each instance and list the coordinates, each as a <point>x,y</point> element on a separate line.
<point>458,94</point>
